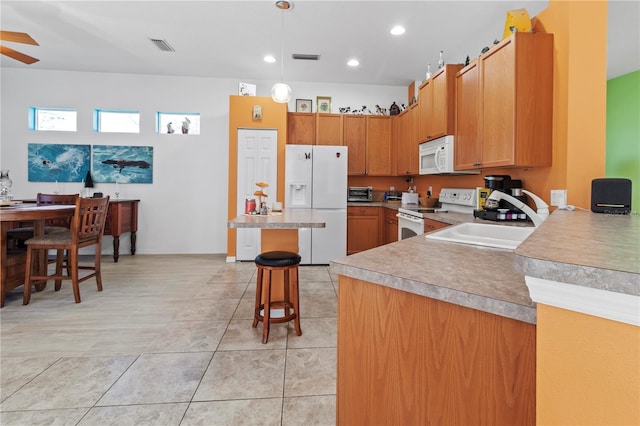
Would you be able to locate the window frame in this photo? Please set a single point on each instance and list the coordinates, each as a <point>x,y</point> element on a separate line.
<point>161,125</point>
<point>34,122</point>
<point>98,120</point>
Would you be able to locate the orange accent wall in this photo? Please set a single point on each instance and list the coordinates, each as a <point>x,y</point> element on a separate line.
<point>588,370</point>
<point>274,116</point>
<point>580,98</point>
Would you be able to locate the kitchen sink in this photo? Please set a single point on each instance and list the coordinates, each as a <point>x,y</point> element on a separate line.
<point>482,234</point>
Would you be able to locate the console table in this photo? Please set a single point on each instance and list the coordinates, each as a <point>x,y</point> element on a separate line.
<point>122,217</point>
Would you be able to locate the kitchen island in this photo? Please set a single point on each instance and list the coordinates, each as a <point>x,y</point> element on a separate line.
<point>445,333</point>
<point>280,229</point>
<point>287,219</point>
<point>279,232</point>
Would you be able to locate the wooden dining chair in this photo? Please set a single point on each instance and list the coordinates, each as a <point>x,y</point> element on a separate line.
<point>21,234</point>
<point>87,226</point>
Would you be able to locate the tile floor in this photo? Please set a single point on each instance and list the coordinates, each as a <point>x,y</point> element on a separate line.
<point>168,342</point>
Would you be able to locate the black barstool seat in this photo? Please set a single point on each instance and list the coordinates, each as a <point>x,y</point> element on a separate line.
<point>277,261</point>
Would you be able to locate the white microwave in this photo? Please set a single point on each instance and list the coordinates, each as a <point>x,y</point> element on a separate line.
<point>436,157</point>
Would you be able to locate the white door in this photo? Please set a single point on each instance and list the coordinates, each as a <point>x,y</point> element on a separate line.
<point>257,162</point>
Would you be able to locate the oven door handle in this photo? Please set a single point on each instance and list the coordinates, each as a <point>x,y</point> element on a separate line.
<point>410,219</point>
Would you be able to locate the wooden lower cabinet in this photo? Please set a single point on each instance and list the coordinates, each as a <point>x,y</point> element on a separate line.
<point>363,228</point>
<point>432,225</point>
<point>405,359</point>
<point>390,226</point>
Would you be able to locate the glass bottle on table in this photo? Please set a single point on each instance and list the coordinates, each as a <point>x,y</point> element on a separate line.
<point>5,186</point>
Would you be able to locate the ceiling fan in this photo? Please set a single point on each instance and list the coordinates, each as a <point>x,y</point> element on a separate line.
<point>17,38</point>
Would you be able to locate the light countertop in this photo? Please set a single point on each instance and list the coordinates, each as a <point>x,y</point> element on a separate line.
<point>288,219</point>
<point>594,250</point>
<point>578,247</point>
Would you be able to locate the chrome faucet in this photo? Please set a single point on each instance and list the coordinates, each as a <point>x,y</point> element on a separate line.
<point>537,217</point>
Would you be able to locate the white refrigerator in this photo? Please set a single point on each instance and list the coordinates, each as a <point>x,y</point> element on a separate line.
<point>316,178</point>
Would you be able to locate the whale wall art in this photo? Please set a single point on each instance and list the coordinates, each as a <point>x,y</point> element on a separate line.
<point>58,162</point>
<point>107,163</point>
<point>122,164</point>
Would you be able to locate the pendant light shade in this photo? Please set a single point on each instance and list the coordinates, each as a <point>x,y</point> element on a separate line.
<point>281,92</point>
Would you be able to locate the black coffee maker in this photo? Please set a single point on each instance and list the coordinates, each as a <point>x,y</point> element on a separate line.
<point>504,210</point>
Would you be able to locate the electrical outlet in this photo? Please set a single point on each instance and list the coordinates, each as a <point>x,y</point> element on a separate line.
<point>559,197</point>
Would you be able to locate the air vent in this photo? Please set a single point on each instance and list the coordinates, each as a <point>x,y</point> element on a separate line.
<point>162,45</point>
<point>305,57</point>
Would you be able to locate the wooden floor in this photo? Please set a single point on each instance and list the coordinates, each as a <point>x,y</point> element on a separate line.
<point>168,342</point>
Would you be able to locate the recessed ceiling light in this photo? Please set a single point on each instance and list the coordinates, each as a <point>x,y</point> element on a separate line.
<point>353,63</point>
<point>270,59</point>
<point>398,30</point>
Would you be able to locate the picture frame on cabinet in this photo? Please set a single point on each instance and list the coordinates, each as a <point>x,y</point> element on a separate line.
<point>304,105</point>
<point>246,89</point>
<point>323,104</point>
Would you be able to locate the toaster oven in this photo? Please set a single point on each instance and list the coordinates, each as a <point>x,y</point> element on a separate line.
<point>360,193</point>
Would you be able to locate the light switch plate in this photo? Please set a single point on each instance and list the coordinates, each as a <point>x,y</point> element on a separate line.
<point>559,197</point>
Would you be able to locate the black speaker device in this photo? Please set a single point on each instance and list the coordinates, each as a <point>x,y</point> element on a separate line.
<point>611,195</point>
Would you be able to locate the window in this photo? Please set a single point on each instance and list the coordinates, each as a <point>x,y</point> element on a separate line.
<point>57,119</point>
<point>105,121</point>
<point>178,123</point>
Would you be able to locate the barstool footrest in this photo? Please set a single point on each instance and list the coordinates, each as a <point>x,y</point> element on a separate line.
<point>277,261</point>
<point>276,319</point>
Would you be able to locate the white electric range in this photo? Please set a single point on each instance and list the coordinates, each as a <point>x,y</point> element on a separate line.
<point>411,218</point>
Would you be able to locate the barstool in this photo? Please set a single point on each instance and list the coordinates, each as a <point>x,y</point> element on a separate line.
<point>277,261</point>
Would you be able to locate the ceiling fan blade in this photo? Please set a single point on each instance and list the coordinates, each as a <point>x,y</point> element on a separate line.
<point>17,37</point>
<point>17,55</point>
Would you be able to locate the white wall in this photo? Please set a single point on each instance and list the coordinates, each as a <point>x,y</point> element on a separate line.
<point>184,209</point>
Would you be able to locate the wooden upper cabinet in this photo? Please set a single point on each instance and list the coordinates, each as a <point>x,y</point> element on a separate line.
<point>407,146</point>
<point>301,128</point>
<point>355,138</point>
<point>437,104</point>
<point>516,102</point>
<point>467,135</point>
<point>425,107</point>
<point>380,149</point>
<point>329,129</point>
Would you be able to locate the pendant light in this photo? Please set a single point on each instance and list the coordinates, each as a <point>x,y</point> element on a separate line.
<point>281,92</point>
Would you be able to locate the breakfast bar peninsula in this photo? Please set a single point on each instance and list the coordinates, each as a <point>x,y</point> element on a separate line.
<point>279,232</point>
<point>452,333</point>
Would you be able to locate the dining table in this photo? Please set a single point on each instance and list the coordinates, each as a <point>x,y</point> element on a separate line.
<point>13,260</point>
